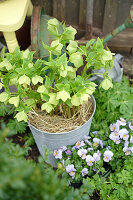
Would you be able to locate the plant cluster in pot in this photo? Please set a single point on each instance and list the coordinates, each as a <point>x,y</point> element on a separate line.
<point>57,103</point>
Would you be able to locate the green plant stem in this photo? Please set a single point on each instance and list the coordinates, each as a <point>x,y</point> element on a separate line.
<point>84,70</point>
<point>88,76</point>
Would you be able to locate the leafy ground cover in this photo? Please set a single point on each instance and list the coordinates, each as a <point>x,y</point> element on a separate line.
<point>111,105</point>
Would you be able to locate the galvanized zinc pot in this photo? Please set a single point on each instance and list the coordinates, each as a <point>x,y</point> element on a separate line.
<point>53,141</point>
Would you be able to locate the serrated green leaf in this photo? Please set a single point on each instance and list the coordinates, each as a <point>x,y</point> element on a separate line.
<point>76,59</point>
<point>37,79</point>
<point>14,101</point>
<point>90,42</point>
<point>21,116</point>
<point>25,54</point>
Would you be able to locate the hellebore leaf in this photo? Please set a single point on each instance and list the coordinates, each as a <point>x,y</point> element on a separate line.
<point>106,84</point>
<point>37,79</point>
<point>47,106</point>
<point>72,47</point>
<point>3,96</point>
<point>14,101</point>
<point>76,59</point>
<point>20,116</point>
<point>24,79</point>
<point>63,95</point>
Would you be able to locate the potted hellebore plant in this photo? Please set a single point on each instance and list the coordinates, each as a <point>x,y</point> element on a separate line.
<point>57,103</point>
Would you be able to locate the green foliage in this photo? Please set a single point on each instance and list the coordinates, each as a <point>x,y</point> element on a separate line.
<point>16,127</point>
<point>112,104</point>
<point>21,179</point>
<point>53,84</point>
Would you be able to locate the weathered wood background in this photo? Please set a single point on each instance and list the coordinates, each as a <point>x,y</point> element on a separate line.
<point>107,15</point>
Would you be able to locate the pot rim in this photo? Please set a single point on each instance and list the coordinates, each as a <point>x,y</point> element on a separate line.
<point>62,133</point>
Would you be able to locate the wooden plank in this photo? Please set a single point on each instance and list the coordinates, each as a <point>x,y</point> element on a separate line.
<point>59,9</point>
<point>55,8</point>
<point>98,13</point>
<point>72,12</point>
<point>82,14</point>
<point>109,16</point>
<point>48,6</point>
<point>122,11</point>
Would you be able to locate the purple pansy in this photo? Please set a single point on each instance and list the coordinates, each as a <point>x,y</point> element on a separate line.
<point>130,126</point>
<point>64,148</point>
<point>131,139</point>
<point>71,170</point>
<point>108,155</point>
<point>89,160</point>
<point>88,142</point>
<point>84,171</point>
<point>82,153</point>
<point>95,132</point>
<point>90,149</point>
<point>124,134</point>
<point>131,149</point>
<point>127,150</point>
<point>122,122</point>
<point>114,127</point>
<point>58,154</point>
<point>108,147</point>
<point>126,143</point>
<point>96,142</point>
<point>79,144</point>
<point>68,152</point>
<point>96,156</point>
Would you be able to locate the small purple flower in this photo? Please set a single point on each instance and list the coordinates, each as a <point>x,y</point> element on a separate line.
<point>108,147</point>
<point>107,155</point>
<point>126,143</point>
<point>127,150</point>
<point>96,156</point>
<point>58,154</point>
<point>84,171</point>
<point>115,137</point>
<point>131,149</point>
<point>68,152</point>
<point>82,153</point>
<point>130,126</point>
<point>101,143</point>
<point>79,144</point>
<point>95,132</point>
<point>131,139</point>
<point>90,149</point>
<point>117,140</point>
<point>71,170</point>
<point>64,148</point>
<point>122,122</point>
<point>123,134</point>
<point>88,142</point>
<point>114,127</point>
<point>87,137</point>
<point>96,142</point>
<point>89,160</point>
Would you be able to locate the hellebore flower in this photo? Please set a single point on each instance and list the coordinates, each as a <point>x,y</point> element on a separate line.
<point>130,126</point>
<point>127,150</point>
<point>123,134</point>
<point>114,127</point>
<point>89,160</point>
<point>84,171</point>
<point>58,154</point>
<point>82,153</point>
<point>122,122</point>
<point>131,139</point>
<point>79,144</point>
<point>107,155</point>
<point>71,170</point>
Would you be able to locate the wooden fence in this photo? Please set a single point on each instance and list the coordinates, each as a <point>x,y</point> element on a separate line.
<point>107,14</point>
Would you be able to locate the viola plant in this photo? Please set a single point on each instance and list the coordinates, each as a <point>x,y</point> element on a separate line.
<point>101,153</point>
<point>53,85</point>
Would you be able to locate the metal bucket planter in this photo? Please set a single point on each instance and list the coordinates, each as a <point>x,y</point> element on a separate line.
<point>53,141</point>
